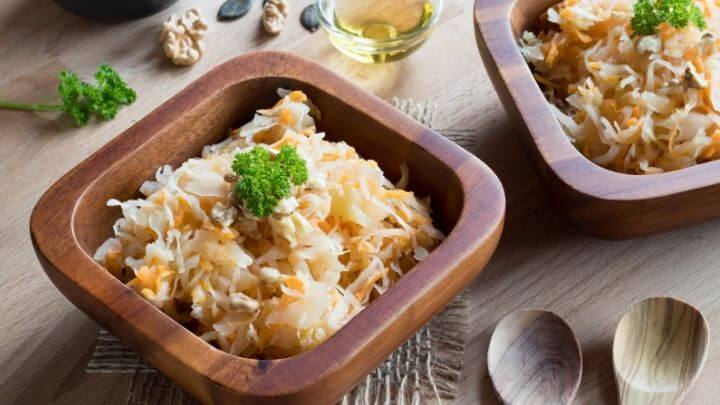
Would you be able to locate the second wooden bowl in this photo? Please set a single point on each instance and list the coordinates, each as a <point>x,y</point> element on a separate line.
<point>601,202</point>
<point>71,220</point>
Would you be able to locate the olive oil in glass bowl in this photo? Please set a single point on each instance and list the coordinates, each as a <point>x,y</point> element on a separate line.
<point>378,31</point>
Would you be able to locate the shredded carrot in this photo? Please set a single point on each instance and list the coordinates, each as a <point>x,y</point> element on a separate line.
<point>286,117</point>
<point>297,96</point>
<point>295,283</point>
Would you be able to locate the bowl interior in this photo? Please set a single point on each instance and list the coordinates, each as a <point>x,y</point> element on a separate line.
<point>524,14</point>
<point>209,122</point>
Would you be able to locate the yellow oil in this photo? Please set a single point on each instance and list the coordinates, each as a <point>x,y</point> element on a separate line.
<point>369,24</point>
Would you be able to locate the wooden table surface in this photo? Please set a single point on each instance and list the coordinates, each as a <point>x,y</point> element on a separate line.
<point>542,261</point>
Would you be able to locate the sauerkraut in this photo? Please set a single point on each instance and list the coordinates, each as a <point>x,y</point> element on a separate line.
<point>276,286</point>
<point>630,103</point>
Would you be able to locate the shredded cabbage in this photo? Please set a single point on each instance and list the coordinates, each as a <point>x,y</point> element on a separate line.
<point>630,103</point>
<point>277,286</point>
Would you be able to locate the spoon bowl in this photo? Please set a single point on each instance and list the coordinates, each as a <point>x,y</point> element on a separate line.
<point>659,349</point>
<point>534,358</point>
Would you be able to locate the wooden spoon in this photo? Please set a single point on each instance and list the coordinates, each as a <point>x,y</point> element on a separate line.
<point>659,349</point>
<point>534,358</point>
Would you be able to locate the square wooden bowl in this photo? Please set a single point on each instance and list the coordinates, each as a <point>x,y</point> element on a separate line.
<point>599,201</point>
<point>71,220</point>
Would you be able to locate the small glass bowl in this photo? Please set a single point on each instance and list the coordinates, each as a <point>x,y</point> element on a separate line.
<point>368,50</point>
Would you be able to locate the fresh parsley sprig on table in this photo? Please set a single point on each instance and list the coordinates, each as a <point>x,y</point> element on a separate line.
<point>264,179</point>
<point>82,100</point>
<point>649,14</point>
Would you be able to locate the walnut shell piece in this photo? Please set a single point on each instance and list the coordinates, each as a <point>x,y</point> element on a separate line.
<point>274,14</point>
<point>182,37</point>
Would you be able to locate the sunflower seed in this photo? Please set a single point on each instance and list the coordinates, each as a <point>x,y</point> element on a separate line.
<point>309,18</point>
<point>233,9</point>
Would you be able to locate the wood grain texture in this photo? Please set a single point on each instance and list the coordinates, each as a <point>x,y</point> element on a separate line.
<point>534,358</point>
<point>659,350</point>
<point>71,220</point>
<point>599,201</point>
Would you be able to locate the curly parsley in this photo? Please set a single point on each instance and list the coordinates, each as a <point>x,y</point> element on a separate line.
<point>649,14</point>
<point>265,179</point>
<point>82,100</point>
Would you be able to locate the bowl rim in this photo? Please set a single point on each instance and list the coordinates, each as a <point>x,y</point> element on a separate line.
<point>374,44</point>
<point>495,32</point>
<point>455,262</point>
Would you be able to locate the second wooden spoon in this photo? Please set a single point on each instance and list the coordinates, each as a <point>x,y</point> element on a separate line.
<point>534,358</point>
<point>659,350</point>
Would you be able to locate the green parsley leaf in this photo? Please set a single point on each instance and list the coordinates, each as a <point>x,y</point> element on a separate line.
<point>82,100</point>
<point>265,179</point>
<point>645,18</point>
<point>293,165</point>
<point>72,89</point>
<point>649,14</point>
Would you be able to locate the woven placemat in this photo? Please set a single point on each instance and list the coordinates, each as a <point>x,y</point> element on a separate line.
<point>425,369</point>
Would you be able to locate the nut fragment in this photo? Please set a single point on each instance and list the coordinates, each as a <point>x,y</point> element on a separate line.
<point>274,14</point>
<point>222,215</point>
<point>182,37</point>
<point>231,178</point>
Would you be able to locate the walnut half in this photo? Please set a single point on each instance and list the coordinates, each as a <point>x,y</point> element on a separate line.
<point>274,14</point>
<point>182,37</point>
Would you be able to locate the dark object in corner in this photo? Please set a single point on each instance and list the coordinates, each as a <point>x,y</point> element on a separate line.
<point>114,10</point>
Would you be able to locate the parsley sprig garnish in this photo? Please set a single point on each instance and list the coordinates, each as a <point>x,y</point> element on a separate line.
<point>82,100</point>
<point>264,179</point>
<point>649,14</point>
